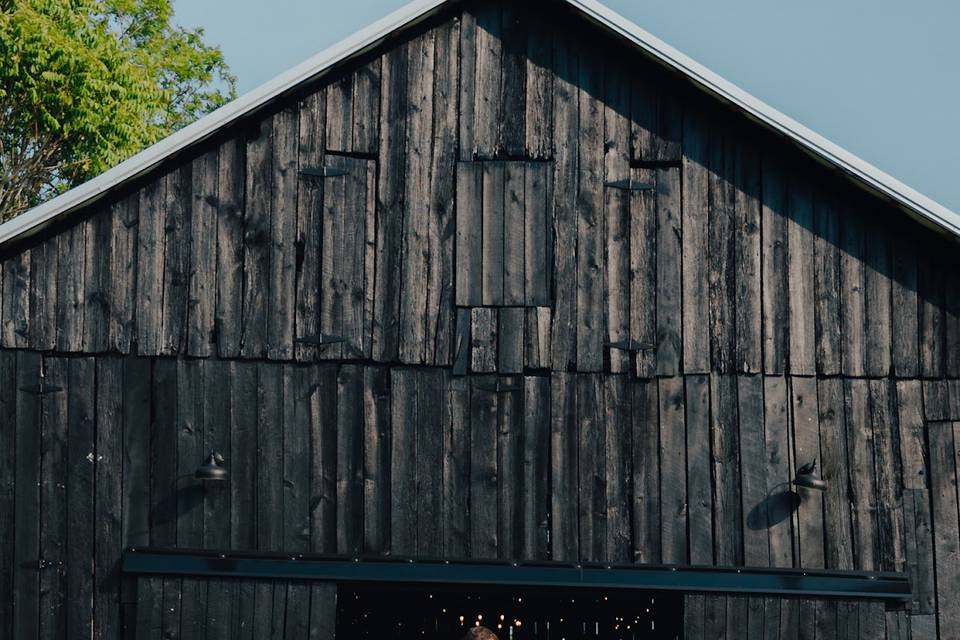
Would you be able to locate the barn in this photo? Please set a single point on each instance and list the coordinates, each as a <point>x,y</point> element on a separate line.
<point>501,314</point>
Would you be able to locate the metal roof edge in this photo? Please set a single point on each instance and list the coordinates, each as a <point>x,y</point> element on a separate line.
<point>869,175</point>
<point>860,169</point>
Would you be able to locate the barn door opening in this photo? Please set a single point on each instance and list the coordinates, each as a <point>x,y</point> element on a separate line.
<point>448,612</point>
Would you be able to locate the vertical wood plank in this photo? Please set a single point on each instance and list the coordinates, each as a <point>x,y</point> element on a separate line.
<point>860,461</point>
<point>391,188</point>
<point>753,469</point>
<point>673,477</point>
<point>535,493</point>
<point>488,96</point>
<point>592,481</point>
<point>231,181</point>
<point>81,443</point>
<point>724,454</point>
<point>721,250</point>
<point>26,515</point>
<point>591,285</point>
<point>494,176</point>
<point>283,235</point>
<point>905,354</point>
<point>946,538</point>
<point>800,276</point>
<point>339,116</point>
<point>807,448</point>
<point>176,260</point>
<point>350,459</point>
<point>566,150</point>
<point>323,472</point>
<point>564,538</point>
<point>509,342</point>
<point>483,340</point>
<point>509,470</point>
<point>484,540</point>
<point>108,499</point>
<point>876,267</point>
<point>514,233</point>
<point>539,89</point>
<point>657,121</point>
<point>44,278</point>
<point>342,279</point>
<point>455,421</point>
<point>269,458</point>
<point>403,418</point>
<point>16,296</point>
<point>203,254</point>
<point>216,437</point>
<point>366,103</point>
<point>695,241</point>
<point>309,222</point>
<point>323,611</point>
<point>538,236</point>
<point>469,234</point>
<point>669,257</point>
<point>693,616</point>
<point>617,419</point>
<point>916,494</point>
<point>53,514</point>
<point>8,489</point>
<point>536,338</point>
<point>429,470</point>
<point>98,280</point>
<point>417,203</point>
<point>826,274</point>
<point>774,267</point>
<point>749,290</point>
<point>376,459</point>
<point>439,321</point>
<point>243,450</point>
<point>643,274</point>
<point>852,294</point>
<point>932,318</point>
<point>296,458</point>
<point>838,542</point>
<point>779,470</point>
<point>616,116</point>
<point>890,525</point>
<point>645,437</point>
<point>699,469</point>
<point>71,292</point>
<point>257,227</point>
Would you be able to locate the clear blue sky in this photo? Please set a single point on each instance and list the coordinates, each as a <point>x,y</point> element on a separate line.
<point>880,78</point>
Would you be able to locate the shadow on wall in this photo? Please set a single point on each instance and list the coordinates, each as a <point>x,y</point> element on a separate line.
<point>777,507</point>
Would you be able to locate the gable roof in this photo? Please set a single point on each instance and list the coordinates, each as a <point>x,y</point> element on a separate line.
<point>919,206</point>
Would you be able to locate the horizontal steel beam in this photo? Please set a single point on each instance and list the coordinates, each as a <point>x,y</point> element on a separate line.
<point>891,587</point>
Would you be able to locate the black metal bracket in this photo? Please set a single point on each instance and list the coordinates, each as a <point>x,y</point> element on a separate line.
<point>41,389</point>
<point>629,345</point>
<point>323,172</point>
<point>630,185</point>
<point>888,587</point>
<point>497,388</point>
<point>320,340</point>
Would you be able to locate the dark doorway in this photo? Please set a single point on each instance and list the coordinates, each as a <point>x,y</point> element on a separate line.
<point>446,612</point>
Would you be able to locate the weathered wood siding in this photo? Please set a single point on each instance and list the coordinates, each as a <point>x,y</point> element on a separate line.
<point>765,313</point>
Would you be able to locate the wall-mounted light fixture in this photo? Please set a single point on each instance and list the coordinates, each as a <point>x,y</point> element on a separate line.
<point>212,469</point>
<point>808,479</point>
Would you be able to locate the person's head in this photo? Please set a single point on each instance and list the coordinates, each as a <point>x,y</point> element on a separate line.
<point>480,633</point>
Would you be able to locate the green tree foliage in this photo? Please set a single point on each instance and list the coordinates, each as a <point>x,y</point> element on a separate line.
<point>85,84</point>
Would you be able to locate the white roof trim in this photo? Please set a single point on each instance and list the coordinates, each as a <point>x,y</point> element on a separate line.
<point>139,164</point>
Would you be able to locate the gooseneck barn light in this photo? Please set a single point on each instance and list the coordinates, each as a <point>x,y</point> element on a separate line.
<point>808,479</point>
<point>211,469</point>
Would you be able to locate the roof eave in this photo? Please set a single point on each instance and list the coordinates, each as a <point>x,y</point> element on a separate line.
<point>872,178</point>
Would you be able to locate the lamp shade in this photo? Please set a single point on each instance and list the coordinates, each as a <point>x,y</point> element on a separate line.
<point>808,479</point>
<point>211,469</point>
